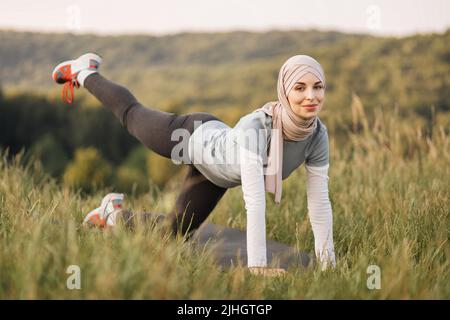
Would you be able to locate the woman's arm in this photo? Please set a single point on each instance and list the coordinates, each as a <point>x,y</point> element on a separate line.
<point>252,178</point>
<point>320,214</point>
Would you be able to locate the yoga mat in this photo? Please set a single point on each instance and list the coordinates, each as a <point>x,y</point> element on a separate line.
<point>229,247</point>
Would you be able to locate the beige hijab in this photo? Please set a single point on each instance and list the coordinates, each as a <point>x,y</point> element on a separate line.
<point>289,125</point>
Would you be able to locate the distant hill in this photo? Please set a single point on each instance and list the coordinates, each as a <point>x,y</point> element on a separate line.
<point>222,71</point>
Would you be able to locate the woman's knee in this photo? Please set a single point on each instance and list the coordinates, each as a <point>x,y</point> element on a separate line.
<point>196,119</point>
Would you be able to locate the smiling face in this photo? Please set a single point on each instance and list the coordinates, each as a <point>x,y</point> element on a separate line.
<point>307,96</point>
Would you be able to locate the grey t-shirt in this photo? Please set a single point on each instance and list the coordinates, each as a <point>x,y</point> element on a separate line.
<point>214,148</point>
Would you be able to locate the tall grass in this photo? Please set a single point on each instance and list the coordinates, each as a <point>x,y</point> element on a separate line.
<point>389,188</point>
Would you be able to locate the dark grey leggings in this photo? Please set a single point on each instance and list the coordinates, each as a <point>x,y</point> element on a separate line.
<point>154,128</point>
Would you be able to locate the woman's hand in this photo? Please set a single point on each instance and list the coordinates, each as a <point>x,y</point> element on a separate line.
<point>269,272</point>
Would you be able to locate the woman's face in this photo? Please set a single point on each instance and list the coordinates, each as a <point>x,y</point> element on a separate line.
<point>307,96</point>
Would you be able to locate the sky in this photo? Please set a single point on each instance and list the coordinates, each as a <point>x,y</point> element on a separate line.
<point>379,17</point>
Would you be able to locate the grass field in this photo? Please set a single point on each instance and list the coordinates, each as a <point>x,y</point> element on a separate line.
<point>389,188</point>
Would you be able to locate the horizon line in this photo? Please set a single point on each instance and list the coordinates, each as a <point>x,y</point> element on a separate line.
<point>219,31</point>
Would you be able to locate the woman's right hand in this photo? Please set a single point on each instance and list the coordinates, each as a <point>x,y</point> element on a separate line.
<point>269,272</point>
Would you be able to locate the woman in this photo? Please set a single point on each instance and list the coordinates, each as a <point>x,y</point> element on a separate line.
<point>264,147</point>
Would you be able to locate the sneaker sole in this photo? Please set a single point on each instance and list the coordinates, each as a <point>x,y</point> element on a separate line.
<point>57,68</point>
<point>90,56</point>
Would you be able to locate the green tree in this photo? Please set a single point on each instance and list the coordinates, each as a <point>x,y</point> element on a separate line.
<point>160,169</point>
<point>52,155</point>
<point>132,175</point>
<point>88,170</point>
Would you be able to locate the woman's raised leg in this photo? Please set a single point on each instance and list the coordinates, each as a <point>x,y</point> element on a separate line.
<point>151,127</point>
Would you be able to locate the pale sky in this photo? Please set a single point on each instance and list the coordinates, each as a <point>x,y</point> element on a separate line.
<point>383,17</point>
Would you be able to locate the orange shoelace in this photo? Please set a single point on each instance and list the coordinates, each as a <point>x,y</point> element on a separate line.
<point>67,93</point>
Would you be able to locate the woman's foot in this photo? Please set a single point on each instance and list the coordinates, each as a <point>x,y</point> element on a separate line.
<point>72,73</point>
<point>106,215</point>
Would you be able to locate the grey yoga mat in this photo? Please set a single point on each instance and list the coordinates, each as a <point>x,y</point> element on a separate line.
<point>229,246</point>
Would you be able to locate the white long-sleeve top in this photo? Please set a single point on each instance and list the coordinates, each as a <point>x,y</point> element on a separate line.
<point>220,154</point>
<point>319,209</point>
<point>320,214</point>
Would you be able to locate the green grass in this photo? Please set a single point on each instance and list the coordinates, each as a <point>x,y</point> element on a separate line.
<point>389,188</point>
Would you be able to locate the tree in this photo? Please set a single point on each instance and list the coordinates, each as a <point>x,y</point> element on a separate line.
<point>51,153</point>
<point>160,169</point>
<point>88,170</point>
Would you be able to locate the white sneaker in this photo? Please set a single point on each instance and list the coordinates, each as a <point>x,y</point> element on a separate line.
<point>72,73</point>
<point>106,214</point>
